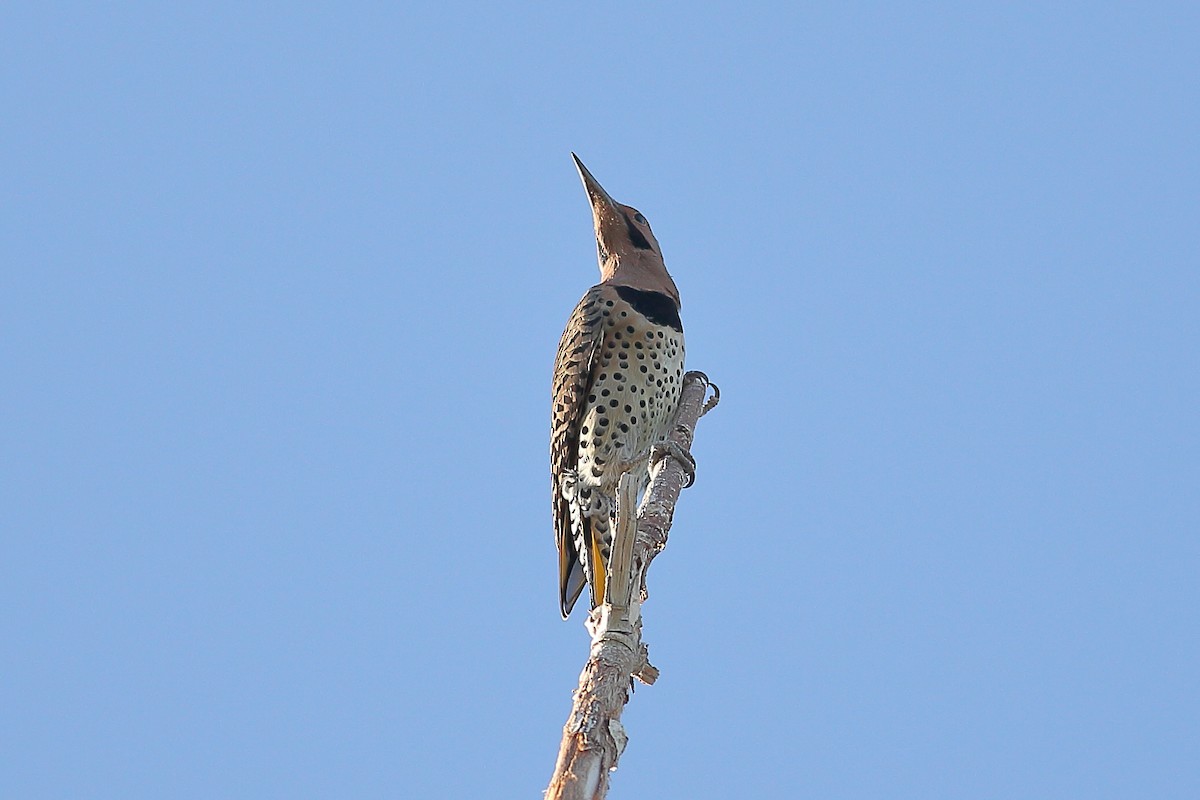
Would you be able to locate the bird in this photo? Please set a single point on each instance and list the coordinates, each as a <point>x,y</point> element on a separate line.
<point>617,379</point>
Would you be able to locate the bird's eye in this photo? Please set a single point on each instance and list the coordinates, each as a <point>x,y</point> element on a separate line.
<point>640,218</point>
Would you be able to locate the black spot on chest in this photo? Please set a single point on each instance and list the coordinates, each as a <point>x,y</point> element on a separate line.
<point>654,306</point>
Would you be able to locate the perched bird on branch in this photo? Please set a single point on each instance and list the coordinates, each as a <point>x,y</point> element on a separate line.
<point>617,379</point>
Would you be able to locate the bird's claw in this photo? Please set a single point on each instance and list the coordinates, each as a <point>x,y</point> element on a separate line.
<point>669,448</point>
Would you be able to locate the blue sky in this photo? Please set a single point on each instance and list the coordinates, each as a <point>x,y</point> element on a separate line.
<point>280,290</point>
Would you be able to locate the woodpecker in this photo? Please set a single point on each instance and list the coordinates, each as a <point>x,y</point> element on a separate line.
<point>617,379</point>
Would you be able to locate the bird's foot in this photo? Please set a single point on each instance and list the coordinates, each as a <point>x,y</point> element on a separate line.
<point>668,448</point>
<point>637,462</point>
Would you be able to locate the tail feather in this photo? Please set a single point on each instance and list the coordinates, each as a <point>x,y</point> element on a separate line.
<point>572,587</point>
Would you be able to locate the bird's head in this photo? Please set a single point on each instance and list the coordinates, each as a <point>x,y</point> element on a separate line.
<point>629,254</point>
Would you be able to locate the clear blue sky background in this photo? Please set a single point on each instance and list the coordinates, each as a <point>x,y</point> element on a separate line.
<point>280,290</point>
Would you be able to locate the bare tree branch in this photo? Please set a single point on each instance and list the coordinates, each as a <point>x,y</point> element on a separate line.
<point>593,738</point>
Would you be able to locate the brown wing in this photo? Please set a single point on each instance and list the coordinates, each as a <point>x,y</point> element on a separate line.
<point>577,350</point>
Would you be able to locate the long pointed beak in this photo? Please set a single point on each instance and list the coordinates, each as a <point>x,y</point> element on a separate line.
<point>596,193</point>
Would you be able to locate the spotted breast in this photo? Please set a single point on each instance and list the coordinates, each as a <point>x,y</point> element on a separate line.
<point>628,350</point>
